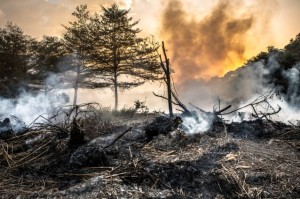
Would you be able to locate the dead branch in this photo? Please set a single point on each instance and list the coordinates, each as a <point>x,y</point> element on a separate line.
<point>186,111</point>
<point>160,96</point>
<point>115,140</point>
<point>165,65</point>
<point>260,101</point>
<point>222,110</point>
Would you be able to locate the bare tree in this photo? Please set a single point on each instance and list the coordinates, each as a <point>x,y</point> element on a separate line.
<point>165,65</point>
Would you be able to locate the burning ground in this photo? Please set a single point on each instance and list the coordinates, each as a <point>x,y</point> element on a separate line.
<point>118,158</point>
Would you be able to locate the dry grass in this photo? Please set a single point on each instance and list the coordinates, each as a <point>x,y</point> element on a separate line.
<point>176,166</point>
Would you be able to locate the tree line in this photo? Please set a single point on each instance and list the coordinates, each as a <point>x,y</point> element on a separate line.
<point>97,50</point>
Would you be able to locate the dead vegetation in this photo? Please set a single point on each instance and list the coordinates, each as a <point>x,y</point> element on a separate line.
<point>251,159</point>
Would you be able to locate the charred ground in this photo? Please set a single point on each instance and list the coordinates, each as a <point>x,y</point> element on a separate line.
<point>251,159</point>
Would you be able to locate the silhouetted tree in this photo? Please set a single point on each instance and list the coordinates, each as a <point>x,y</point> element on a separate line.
<point>123,59</point>
<point>49,55</point>
<point>78,41</point>
<point>15,59</point>
<point>291,53</point>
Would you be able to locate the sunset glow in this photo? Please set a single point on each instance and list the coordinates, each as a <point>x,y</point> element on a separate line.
<point>204,38</point>
<point>271,22</point>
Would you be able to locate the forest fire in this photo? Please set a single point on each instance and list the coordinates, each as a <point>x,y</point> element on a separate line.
<point>235,135</point>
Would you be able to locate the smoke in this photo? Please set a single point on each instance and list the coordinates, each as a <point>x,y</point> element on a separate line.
<point>199,123</point>
<point>234,88</point>
<point>207,47</point>
<point>203,49</point>
<point>293,77</point>
<point>29,106</point>
<point>242,86</point>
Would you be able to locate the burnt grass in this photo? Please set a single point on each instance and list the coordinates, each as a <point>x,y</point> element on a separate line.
<point>251,159</point>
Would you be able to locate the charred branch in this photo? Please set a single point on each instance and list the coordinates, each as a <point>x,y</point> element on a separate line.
<point>76,135</point>
<point>261,101</point>
<point>165,65</point>
<point>117,138</point>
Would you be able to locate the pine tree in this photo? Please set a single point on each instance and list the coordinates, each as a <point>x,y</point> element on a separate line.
<point>78,43</point>
<point>15,55</point>
<point>49,54</point>
<point>124,59</point>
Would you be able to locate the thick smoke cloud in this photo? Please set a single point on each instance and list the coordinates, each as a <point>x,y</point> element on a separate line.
<point>202,50</point>
<point>207,47</point>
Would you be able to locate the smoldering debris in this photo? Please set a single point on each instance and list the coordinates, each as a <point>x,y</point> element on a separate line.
<point>11,126</point>
<point>211,164</point>
<point>123,160</point>
<point>162,125</point>
<point>5,129</point>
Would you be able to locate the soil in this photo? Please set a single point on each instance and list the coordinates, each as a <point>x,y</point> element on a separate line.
<point>251,159</point>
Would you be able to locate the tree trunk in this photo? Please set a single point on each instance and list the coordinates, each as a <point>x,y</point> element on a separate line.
<point>116,92</point>
<point>116,78</point>
<point>76,85</point>
<point>168,78</point>
<point>169,91</point>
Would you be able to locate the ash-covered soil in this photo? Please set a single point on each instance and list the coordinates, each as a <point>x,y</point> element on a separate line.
<point>254,159</point>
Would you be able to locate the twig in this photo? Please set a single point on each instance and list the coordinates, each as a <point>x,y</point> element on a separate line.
<point>121,135</point>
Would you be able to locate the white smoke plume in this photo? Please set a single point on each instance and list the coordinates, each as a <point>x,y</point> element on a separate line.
<point>199,124</point>
<point>241,87</point>
<point>29,106</point>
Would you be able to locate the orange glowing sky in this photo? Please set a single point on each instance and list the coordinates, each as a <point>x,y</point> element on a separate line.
<point>275,22</point>
<point>272,22</point>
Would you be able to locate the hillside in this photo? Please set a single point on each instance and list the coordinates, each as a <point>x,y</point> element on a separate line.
<point>277,69</point>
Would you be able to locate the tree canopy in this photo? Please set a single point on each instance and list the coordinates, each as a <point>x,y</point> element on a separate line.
<point>15,59</point>
<point>108,46</point>
<point>124,59</point>
<point>96,51</point>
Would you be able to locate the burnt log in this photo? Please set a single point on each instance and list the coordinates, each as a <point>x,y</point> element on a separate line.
<point>6,131</point>
<point>88,156</point>
<point>76,135</point>
<point>162,125</point>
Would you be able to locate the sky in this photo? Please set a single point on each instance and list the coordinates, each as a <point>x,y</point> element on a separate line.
<point>207,38</point>
<point>270,22</point>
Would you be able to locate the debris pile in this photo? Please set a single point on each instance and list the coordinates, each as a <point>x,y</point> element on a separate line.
<point>252,159</point>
